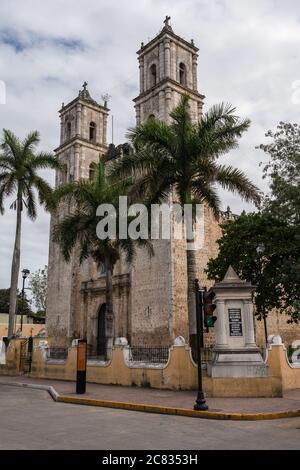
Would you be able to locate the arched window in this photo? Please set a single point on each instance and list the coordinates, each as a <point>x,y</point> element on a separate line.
<point>92,171</point>
<point>182,74</point>
<point>68,130</point>
<point>101,269</point>
<point>92,131</point>
<point>153,75</point>
<point>64,174</point>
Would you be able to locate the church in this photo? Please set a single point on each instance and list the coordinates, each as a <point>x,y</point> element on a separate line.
<point>150,296</point>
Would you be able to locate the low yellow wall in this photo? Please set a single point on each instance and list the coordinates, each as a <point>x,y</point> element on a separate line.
<point>27,329</point>
<point>281,369</point>
<point>180,373</point>
<point>12,366</point>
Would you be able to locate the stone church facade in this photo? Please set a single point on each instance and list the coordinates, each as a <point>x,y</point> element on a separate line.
<point>150,297</point>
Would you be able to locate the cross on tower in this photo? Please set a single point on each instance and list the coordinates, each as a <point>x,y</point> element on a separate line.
<point>84,85</point>
<point>166,21</point>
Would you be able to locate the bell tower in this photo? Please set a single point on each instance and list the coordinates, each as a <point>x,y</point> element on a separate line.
<point>168,69</point>
<point>83,128</point>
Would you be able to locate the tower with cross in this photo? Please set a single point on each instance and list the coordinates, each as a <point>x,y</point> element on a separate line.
<point>168,69</point>
<point>83,129</point>
<point>150,297</point>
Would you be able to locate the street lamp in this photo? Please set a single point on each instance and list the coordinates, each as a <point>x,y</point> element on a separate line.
<point>25,273</point>
<point>260,249</point>
<point>200,401</point>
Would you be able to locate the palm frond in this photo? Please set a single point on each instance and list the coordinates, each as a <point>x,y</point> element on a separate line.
<point>44,160</point>
<point>236,181</point>
<point>204,192</point>
<point>44,190</point>
<point>66,233</point>
<point>30,142</point>
<point>11,145</point>
<point>30,204</point>
<point>7,162</point>
<point>152,131</point>
<point>219,130</point>
<point>182,111</point>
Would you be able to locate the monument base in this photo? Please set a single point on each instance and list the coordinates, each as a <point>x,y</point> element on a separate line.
<point>236,363</point>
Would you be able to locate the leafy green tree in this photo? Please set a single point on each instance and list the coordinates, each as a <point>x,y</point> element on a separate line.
<point>78,229</point>
<point>38,284</point>
<point>277,272</point>
<point>183,157</point>
<point>4,303</point>
<point>283,172</point>
<point>19,165</point>
<point>270,272</point>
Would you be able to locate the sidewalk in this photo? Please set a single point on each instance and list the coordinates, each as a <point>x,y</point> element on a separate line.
<point>168,401</point>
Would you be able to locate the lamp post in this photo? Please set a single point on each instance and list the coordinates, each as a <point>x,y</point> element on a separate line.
<point>200,401</point>
<point>25,273</point>
<point>260,251</point>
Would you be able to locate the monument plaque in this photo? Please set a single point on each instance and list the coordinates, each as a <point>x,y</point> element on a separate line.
<point>235,353</point>
<point>235,322</point>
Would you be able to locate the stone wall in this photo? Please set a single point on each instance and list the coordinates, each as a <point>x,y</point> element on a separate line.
<point>277,325</point>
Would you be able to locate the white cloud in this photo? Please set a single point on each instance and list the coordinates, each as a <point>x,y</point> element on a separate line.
<point>249,56</point>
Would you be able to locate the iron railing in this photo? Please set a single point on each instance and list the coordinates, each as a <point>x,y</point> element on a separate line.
<point>57,353</point>
<point>25,357</point>
<point>149,354</point>
<point>207,355</point>
<point>93,354</point>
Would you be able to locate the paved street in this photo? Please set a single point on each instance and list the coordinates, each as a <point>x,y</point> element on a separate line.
<point>30,419</point>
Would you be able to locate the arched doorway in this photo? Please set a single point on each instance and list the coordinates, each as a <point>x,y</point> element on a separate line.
<point>101,332</point>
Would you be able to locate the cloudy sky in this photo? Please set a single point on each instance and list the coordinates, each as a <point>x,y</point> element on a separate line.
<point>249,56</point>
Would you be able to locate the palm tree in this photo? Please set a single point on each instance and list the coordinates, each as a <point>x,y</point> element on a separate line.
<point>79,228</point>
<point>182,157</point>
<point>19,163</point>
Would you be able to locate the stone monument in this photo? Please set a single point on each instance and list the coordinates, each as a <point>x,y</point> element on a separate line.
<point>236,353</point>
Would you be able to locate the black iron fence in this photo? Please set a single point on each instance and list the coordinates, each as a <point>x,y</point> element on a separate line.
<point>57,353</point>
<point>207,355</point>
<point>149,354</point>
<point>93,353</point>
<point>137,353</point>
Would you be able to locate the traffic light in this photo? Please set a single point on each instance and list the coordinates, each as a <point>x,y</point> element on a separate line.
<point>209,308</point>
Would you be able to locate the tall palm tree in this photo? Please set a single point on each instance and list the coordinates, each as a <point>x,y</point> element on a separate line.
<point>182,157</point>
<point>19,164</point>
<point>79,228</point>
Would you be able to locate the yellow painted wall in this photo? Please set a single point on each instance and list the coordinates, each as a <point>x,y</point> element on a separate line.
<point>28,329</point>
<point>180,373</point>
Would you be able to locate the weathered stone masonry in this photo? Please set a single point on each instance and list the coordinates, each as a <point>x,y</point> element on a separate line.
<point>150,297</point>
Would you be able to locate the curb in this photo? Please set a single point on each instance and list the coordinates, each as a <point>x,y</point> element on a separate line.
<point>51,390</point>
<point>221,415</point>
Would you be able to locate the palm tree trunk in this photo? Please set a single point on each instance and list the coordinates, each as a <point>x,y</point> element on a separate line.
<point>109,314</point>
<point>191,275</point>
<point>15,268</point>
